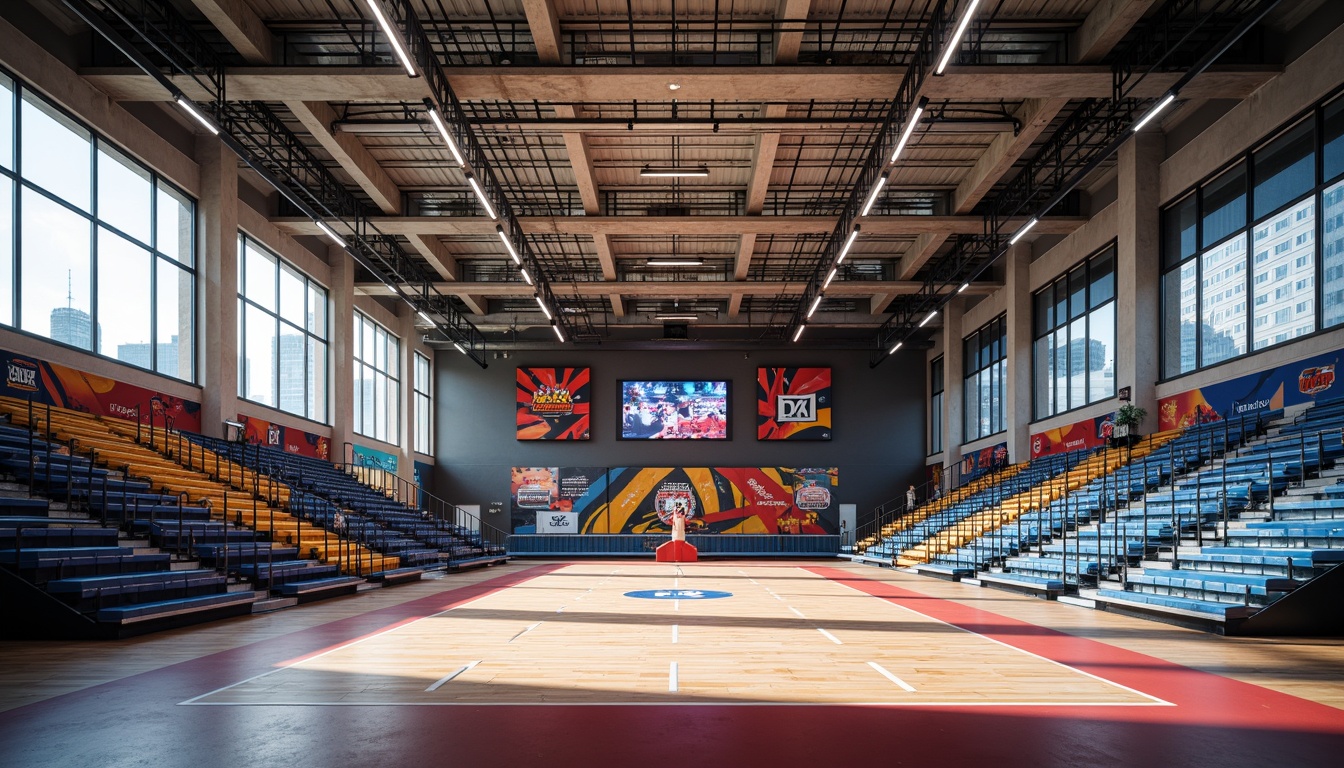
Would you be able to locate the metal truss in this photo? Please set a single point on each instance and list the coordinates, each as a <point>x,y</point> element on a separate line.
<point>1090,136</point>
<point>164,39</point>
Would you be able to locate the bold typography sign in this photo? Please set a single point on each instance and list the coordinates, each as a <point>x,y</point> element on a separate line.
<point>553,403</point>
<point>793,403</point>
<point>1290,384</point>
<point>50,383</point>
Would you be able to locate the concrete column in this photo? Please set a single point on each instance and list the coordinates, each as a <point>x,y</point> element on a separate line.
<point>953,367</point>
<point>217,284</point>
<point>341,350</point>
<point>405,329</point>
<point>1138,283</point>
<point>1017,394</point>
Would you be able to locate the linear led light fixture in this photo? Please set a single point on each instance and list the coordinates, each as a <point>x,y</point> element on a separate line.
<point>929,317</point>
<point>330,233</point>
<point>559,334</point>
<point>815,303</point>
<point>675,262</point>
<point>526,276</point>
<point>393,37</point>
<point>544,310</point>
<point>915,114</point>
<point>425,317</point>
<point>829,278</point>
<point>195,113</point>
<point>508,245</point>
<point>892,351</point>
<point>1152,113</point>
<point>963,287</point>
<point>682,318</point>
<point>874,195</point>
<point>798,333</point>
<point>459,348</point>
<point>673,172</point>
<point>480,195</point>
<point>1019,234</point>
<point>848,244</point>
<point>955,41</point>
<point>437,120</point>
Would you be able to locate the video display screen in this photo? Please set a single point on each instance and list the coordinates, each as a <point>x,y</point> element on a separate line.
<point>674,410</point>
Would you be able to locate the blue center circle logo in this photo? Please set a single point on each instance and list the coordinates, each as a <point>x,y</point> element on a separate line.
<point>678,594</point>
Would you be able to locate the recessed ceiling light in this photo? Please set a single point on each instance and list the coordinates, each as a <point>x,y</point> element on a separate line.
<point>674,86</point>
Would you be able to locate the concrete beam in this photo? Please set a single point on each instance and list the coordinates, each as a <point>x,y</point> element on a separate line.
<point>241,26</point>
<point>878,304</point>
<point>791,18</point>
<point>605,258</point>
<point>911,226</point>
<point>349,153</point>
<point>863,288</point>
<point>917,255</point>
<point>571,85</point>
<point>544,23</point>
<point>1105,26</point>
<point>617,304</point>
<point>478,305</point>
<point>581,160</point>
<point>746,246</point>
<point>432,250</point>
<point>735,304</point>
<point>1004,151</point>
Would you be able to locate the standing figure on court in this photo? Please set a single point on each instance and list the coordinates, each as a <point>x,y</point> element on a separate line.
<point>910,497</point>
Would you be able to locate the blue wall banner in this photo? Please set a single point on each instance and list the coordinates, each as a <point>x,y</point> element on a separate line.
<point>1291,384</point>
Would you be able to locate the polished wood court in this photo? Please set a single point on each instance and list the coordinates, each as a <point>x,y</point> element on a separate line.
<point>554,664</point>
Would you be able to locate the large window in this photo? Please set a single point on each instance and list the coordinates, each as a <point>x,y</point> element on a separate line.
<point>282,334</point>
<point>986,364</point>
<point>1255,256</point>
<point>377,380</point>
<point>936,406</point>
<point>1074,331</point>
<point>424,405</point>
<point>96,250</point>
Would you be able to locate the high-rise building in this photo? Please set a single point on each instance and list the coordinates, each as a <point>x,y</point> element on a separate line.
<point>138,354</point>
<point>72,326</point>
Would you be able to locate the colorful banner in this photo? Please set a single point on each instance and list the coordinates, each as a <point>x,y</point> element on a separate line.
<point>370,457</point>
<point>1078,436</point>
<point>261,432</point>
<point>983,461</point>
<point>1290,384</point>
<point>553,403</point>
<point>729,500</point>
<point>50,383</point>
<point>793,403</point>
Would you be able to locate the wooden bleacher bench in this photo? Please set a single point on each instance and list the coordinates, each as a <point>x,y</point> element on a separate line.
<point>396,576</point>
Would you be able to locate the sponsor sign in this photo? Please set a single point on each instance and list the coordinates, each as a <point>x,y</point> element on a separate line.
<point>552,403</point>
<point>1291,384</point>
<point>288,439</point>
<point>50,383</point>
<point>1078,436</point>
<point>555,521</point>
<point>793,403</point>
<point>983,461</point>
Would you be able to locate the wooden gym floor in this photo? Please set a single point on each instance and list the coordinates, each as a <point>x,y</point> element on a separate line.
<point>718,663</point>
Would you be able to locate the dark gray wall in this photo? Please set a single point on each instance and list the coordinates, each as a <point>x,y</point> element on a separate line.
<point>877,420</point>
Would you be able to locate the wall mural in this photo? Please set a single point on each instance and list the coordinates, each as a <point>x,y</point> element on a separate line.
<point>728,500</point>
<point>553,403</point>
<point>44,382</point>
<point>793,403</point>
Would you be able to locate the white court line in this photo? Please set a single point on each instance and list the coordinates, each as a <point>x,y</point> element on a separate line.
<point>672,678</point>
<point>351,644</point>
<point>676,604</point>
<point>1156,700</point>
<point>561,609</point>
<point>832,638</point>
<point>798,612</point>
<point>676,583</point>
<point>904,685</point>
<point>881,704</point>
<point>450,676</point>
<point>524,632</point>
<point>674,634</point>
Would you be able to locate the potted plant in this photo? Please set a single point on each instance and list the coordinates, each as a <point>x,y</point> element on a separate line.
<point>1127,421</point>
